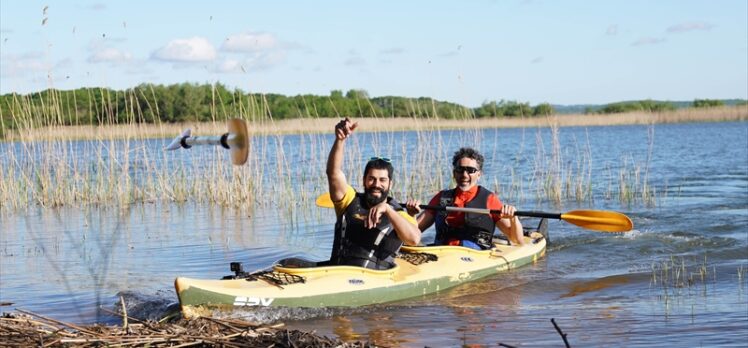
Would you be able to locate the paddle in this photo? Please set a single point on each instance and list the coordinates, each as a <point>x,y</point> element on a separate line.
<point>236,140</point>
<point>596,220</point>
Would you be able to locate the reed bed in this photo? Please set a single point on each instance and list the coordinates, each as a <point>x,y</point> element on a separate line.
<point>48,162</point>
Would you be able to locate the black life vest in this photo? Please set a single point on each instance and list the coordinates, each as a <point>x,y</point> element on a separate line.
<point>356,245</point>
<point>477,228</point>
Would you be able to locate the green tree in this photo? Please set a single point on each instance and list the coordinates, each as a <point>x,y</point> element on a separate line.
<point>707,103</point>
<point>543,109</point>
<point>515,109</point>
<point>489,109</point>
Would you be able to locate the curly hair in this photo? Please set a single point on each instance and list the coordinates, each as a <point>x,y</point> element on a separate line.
<point>467,152</point>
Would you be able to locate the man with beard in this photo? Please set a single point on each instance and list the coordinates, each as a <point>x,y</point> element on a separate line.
<point>371,226</point>
<point>472,230</point>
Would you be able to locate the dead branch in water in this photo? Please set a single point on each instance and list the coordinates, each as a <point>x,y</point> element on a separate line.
<point>563,335</point>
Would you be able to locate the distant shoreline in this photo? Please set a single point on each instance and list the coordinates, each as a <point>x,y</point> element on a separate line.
<point>383,124</point>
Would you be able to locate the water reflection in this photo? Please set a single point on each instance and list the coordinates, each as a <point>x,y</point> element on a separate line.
<point>379,327</point>
<point>596,285</point>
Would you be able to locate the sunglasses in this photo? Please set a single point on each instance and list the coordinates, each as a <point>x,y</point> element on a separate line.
<point>469,170</point>
<point>380,159</point>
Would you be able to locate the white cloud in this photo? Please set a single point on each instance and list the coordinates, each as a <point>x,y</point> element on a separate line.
<point>250,42</point>
<point>647,41</point>
<point>112,55</point>
<point>195,49</point>
<point>537,60</point>
<point>689,26</point>
<point>251,52</point>
<point>23,65</point>
<point>228,66</point>
<point>257,62</point>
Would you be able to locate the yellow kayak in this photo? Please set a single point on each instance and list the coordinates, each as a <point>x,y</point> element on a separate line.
<point>295,282</point>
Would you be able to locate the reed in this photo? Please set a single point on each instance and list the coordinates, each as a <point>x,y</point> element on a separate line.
<point>50,159</point>
<point>564,174</point>
<point>674,278</point>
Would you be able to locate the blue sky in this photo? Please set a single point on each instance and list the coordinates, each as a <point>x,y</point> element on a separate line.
<point>469,52</point>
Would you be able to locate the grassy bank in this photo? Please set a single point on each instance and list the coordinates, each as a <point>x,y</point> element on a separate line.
<point>378,124</point>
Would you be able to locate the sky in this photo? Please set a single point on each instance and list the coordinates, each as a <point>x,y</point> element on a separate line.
<point>468,52</point>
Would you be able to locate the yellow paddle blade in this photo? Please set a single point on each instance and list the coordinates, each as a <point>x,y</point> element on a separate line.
<point>325,201</point>
<point>599,220</point>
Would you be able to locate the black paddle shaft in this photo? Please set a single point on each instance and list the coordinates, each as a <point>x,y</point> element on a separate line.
<point>538,214</point>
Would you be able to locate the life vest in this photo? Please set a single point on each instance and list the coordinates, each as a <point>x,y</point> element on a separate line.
<point>356,245</point>
<point>477,228</point>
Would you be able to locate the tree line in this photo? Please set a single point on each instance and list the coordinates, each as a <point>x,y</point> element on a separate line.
<point>651,106</point>
<point>187,102</point>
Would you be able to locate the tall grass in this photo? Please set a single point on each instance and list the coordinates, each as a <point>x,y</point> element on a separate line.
<point>49,159</point>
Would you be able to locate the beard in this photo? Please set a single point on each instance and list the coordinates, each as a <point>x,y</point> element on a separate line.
<point>372,200</point>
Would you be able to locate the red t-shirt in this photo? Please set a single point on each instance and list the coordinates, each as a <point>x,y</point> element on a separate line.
<point>456,218</point>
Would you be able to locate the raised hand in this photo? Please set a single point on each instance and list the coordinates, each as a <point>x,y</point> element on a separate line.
<point>345,128</point>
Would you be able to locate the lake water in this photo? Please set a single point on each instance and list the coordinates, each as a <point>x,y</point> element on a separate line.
<point>678,279</point>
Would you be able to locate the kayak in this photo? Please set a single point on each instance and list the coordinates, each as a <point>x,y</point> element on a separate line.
<point>294,282</point>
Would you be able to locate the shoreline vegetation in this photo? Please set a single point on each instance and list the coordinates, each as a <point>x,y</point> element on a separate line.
<point>87,147</point>
<point>46,167</point>
<point>158,111</point>
<point>376,124</point>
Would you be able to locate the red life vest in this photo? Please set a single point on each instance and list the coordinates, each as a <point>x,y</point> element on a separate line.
<point>477,228</point>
